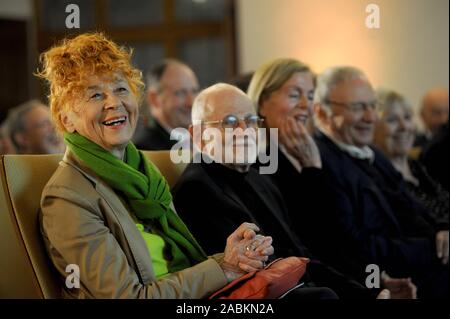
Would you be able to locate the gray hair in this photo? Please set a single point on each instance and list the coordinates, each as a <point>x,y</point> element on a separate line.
<point>332,77</point>
<point>387,98</point>
<point>16,119</point>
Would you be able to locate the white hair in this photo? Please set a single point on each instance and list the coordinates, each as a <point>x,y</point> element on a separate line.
<point>201,108</point>
<point>332,77</point>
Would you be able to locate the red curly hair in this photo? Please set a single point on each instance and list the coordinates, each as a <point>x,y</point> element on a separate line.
<point>67,66</point>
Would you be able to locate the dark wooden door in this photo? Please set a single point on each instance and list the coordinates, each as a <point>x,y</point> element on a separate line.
<point>13,65</point>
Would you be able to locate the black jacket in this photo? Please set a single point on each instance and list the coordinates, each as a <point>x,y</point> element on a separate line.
<point>214,200</point>
<point>436,157</point>
<point>306,196</point>
<point>373,224</point>
<point>154,138</point>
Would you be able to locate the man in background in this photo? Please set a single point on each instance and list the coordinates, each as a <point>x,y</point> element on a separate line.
<point>6,145</point>
<point>375,220</point>
<point>434,114</point>
<point>31,130</point>
<point>172,88</point>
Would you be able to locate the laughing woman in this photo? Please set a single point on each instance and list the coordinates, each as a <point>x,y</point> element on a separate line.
<point>107,209</point>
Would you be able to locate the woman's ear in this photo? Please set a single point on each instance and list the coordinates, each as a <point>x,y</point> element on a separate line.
<point>262,109</point>
<point>67,121</point>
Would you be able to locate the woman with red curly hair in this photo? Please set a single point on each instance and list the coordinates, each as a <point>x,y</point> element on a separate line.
<point>107,209</point>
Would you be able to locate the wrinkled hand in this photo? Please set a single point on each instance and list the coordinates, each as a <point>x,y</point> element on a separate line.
<point>299,143</point>
<point>245,251</point>
<point>257,250</point>
<point>442,246</point>
<point>399,288</point>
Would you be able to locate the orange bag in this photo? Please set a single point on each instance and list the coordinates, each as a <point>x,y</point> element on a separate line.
<point>272,282</point>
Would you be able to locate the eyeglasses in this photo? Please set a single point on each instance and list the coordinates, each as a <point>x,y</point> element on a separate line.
<point>232,121</point>
<point>357,107</point>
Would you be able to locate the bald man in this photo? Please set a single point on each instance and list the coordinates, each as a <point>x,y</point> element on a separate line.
<point>213,196</point>
<point>434,114</point>
<point>172,87</point>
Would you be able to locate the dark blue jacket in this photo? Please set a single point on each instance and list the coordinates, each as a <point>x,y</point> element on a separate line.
<point>368,224</point>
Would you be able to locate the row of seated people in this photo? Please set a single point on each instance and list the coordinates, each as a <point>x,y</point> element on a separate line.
<point>333,197</point>
<point>333,193</point>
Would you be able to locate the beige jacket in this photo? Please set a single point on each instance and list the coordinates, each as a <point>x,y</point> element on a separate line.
<point>83,222</point>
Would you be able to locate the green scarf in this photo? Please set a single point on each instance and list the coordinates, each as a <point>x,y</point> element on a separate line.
<point>146,192</point>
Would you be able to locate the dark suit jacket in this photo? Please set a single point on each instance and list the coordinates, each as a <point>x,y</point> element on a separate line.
<point>306,195</point>
<point>421,141</point>
<point>212,207</point>
<point>154,138</point>
<point>436,157</point>
<point>367,227</point>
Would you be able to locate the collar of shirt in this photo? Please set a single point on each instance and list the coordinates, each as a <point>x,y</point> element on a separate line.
<point>361,153</point>
<point>428,134</point>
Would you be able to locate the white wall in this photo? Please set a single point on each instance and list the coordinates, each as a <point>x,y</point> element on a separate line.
<point>409,53</point>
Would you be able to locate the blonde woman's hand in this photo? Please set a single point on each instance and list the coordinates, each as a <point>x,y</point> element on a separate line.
<point>299,143</point>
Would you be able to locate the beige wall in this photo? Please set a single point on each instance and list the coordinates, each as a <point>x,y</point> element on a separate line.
<point>410,51</point>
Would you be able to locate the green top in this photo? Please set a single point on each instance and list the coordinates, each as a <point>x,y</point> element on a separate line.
<point>155,245</point>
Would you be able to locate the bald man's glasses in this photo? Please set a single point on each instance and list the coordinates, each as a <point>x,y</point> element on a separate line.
<point>232,121</point>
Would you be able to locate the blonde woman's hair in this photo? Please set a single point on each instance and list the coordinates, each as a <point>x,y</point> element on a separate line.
<point>271,76</point>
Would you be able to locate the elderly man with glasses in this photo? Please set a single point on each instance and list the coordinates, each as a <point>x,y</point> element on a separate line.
<point>375,221</point>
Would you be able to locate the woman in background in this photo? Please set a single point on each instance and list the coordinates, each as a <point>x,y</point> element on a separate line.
<point>394,135</point>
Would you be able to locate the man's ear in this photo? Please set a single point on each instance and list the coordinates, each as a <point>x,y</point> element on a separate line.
<point>152,98</point>
<point>196,134</point>
<point>67,120</point>
<point>20,138</point>
<point>422,112</point>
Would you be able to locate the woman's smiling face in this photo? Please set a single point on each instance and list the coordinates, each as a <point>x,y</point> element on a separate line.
<point>294,99</point>
<point>396,130</point>
<point>106,112</point>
